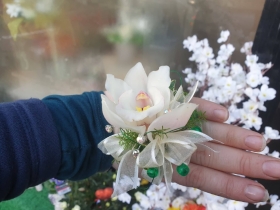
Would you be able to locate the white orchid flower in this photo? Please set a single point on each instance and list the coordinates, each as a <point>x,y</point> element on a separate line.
<point>139,98</point>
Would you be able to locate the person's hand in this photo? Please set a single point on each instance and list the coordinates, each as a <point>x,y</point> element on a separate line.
<point>212,171</point>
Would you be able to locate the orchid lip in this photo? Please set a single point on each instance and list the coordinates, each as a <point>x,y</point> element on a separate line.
<point>143,101</point>
<point>142,96</point>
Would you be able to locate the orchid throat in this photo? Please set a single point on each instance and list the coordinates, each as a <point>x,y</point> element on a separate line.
<point>143,101</point>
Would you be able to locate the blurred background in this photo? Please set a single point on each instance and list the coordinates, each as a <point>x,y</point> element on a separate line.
<point>68,47</point>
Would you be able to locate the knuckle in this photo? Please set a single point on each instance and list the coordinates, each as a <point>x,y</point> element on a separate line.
<point>203,157</point>
<point>228,187</point>
<point>196,178</point>
<point>229,137</point>
<point>244,164</point>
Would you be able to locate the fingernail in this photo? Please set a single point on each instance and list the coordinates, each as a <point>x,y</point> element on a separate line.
<point>272,168</point>
<point>256,193</point>
<point>221,114</point>
<point>256,143</point>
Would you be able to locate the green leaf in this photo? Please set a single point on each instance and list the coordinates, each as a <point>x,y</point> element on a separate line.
<point>14,26</point>
<point>172,85</point>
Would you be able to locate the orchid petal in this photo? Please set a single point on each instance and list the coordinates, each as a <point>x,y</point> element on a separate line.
<point>115,87</point>
<point>127,100</point>
<point>174,119</point>
<point>160,79</point>
<point>191,93</point>
<point>115,120</point>
<point>177,99</point>
<point>136,78</point>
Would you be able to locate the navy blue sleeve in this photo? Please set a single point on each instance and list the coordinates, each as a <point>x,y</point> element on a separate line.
<point>81,126</point>
<point>30,150</point>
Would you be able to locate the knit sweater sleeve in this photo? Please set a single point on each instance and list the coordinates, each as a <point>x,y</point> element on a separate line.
<point>30,150</point>
<point>81,126</point>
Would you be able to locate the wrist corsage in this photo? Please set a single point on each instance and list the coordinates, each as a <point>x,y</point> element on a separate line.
<point>158,127</point>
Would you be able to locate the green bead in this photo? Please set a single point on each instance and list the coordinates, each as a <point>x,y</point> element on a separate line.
<point>152,172</point>
<point>183,169</point>
<point>196,128</point>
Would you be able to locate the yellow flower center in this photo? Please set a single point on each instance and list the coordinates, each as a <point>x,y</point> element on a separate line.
<point>139,109</point>
<point>143,102</point>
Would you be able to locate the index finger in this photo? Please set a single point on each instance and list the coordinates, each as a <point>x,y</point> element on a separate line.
<point>213,111</point>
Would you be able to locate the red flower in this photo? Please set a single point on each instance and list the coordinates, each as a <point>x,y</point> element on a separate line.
<point>104,194</point>
<point>193,206</point>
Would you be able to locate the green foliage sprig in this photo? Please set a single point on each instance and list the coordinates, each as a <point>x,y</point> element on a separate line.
<point>128,140</point>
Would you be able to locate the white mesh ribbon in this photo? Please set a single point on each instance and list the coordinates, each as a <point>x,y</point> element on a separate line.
<point>111,146</point>
<point>175,148</point>
<point>127,176</point>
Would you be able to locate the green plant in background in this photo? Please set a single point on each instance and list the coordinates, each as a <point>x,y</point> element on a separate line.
<point>135,38</point>
<point>95,193</point>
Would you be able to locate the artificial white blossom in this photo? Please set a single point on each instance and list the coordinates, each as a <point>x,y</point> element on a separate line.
<point>273,199</point>
<point>247,48</point>
<point>143,199</point>
<point>55,198</point>
<point>226,50</point>
<point>260,204</point>
<point>76,207</point>
<point>39,187</point>
<point>124,197</point>
<point>60,206</point>
<point>265,151</point>
<point>236,205</point>
<point>176,186</point>
<point>266,93</point>
<point>276,206</point>
<point>190,43</point>
<point>163,203</point>
<point>250,106</point>
<point>224,36</point>
<point>209,198</point>
<point>270,133</point>
<point>136,206</point>
<point>253,121</point>
<point>193,192</point>
<point>216,206</point>
<point>253,79</point>
<point>236,69</point>
<point>275,154</point>
<point>179,202</point>
<point>156,191</point>
<point>13,10</point>
<point>187,71</point>
<point>251,60</point>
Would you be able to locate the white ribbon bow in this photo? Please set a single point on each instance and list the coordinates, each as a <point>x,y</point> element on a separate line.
<point>177,148</point>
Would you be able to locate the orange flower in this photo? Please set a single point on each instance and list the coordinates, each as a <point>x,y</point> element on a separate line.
<point>193,206</point>
<point>104,194</point>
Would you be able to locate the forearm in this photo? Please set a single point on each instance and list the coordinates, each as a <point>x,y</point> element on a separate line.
<point>81,126</point>
<point>30,147</point>
<point>54,137</point>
